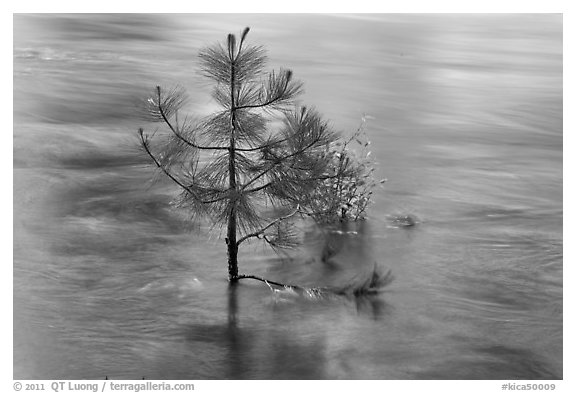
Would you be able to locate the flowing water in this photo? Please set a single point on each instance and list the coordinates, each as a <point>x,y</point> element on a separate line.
<point>466,125</point>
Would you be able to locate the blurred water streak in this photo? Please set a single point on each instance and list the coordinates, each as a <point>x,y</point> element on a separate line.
<point>109,281</point>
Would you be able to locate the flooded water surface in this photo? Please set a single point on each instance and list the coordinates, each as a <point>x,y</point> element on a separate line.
<point>465,123</point>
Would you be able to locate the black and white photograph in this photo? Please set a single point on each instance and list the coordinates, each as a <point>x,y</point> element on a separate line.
<point>288,196</point>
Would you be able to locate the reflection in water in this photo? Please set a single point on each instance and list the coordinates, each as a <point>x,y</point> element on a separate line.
<point>334,259</point>
<point>262,352</point>
<point>110,281</point>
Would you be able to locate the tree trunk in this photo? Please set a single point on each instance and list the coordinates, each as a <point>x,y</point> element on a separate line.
<point>231,239</point>
<point>232,249</point>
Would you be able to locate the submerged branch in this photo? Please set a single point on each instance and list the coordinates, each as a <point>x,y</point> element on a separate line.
<point>311,290</point>
<point>372,286</point>
<point>279,284</point>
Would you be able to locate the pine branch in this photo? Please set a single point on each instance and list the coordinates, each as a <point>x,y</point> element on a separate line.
<point>278,91</point>
<point>280,160</point>
<point>267,145</point>
<point>144,141</point>
<point>214,61</point>
<point>171,103</point>
<point>303,180</point>
<point>270,225</point>
<point>244,34</point>
<point>249,62</point>
<point>167,121</point>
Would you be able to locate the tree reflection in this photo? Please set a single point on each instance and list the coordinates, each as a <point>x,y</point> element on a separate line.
<point>257,350</point>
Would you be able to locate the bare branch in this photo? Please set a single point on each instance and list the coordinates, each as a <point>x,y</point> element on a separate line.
<point>268,282</point>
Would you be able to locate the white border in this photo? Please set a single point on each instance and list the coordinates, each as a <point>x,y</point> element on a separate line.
<point>299,6</point>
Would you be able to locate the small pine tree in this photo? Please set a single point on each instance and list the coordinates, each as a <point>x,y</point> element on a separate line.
<point>231,166</point>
